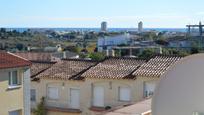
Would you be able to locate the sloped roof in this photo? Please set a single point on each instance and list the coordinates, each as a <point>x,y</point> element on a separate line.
<point>9,60</point>
<point>35,56</point>
<point>156,66</point>
<point>114,68</point>
<point>68,69</point>
<point>39,67</point>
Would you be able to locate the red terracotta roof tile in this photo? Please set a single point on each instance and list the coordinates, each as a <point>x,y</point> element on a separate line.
<point>8,60</point>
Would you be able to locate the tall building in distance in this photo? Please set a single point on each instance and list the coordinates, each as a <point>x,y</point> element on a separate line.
<point>104,27</point>
<point>140,27</point>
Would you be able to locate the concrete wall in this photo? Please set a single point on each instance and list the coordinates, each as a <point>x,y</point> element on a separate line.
<point>111,88</point>
<point>11,99</point>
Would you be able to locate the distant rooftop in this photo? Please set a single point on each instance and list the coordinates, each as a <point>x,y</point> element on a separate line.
<point>35,56</point>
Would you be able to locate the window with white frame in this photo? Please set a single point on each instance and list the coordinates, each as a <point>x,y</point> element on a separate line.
<point>33,95</point>
<point>149,88</point>
<point>53,93</point>
<point>14,78</point>
<point>124,94</point>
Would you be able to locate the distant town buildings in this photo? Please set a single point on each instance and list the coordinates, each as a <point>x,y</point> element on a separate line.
<point>140,26</point>
<point>107,43</point>
<point>104,27</point>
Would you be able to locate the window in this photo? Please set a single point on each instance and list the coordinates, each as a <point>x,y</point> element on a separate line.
<point>14,79</point>
<point>53,93</point>
<point>124,93</point>
<point>33,95</point>
<point>17,112</point>
<point>149,88</point>
<point>98,96</point>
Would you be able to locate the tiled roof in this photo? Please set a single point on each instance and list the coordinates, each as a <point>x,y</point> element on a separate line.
<point>156,66</point>
<point>39,67</point>
<point>68,69</point>
<point>35,56</point>
<point>8,60</point>
<point>114,68</point>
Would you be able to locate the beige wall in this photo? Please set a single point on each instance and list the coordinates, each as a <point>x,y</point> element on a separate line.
<point>60,113</point>
<point>11,99</point>
<point>111,88</point>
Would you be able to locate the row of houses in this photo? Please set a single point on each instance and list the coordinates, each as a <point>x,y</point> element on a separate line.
<point>76,86</point>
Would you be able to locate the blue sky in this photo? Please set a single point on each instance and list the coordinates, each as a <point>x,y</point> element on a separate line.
<point>90,13</point>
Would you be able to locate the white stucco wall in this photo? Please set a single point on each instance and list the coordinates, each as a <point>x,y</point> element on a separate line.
<point>180,91</point>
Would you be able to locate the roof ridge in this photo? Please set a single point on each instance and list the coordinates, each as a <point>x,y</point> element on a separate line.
<point>85,60</point>
<point>17,56</point>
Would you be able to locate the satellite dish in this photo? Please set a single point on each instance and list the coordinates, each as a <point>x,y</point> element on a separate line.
<point>180,90</point>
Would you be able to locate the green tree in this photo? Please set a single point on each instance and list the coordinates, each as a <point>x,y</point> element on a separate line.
<point>162,42</point>
<point>40,110</point>
<point>147,53</point>
<point>194,50</point>
<point>97,56</point>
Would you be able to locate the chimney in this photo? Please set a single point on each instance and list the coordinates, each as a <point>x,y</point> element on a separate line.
<point>64,55</point>
<point>107,53</point>
<point>113,53</point>
<point>160,50</point>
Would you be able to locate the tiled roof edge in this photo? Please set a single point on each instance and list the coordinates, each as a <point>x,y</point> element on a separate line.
<point>78,76</point>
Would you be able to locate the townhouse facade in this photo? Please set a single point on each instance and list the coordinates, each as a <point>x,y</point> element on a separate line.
<point>82,87</point>
<point>14,85</point>
<point>61,86</point>
<point>89,88</point>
